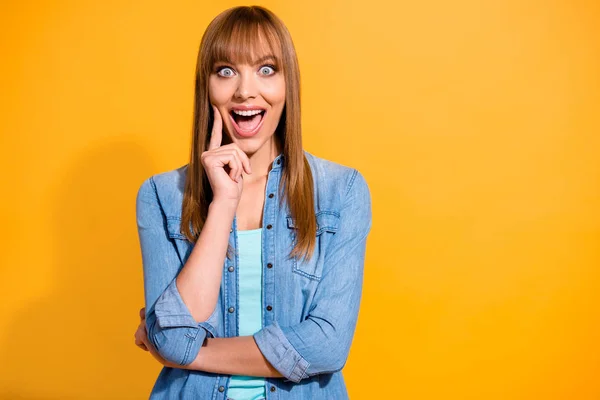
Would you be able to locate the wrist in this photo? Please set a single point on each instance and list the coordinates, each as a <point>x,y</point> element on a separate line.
<point>223,205</point>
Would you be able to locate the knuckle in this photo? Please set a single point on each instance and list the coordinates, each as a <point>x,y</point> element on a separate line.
<point>205,157</point>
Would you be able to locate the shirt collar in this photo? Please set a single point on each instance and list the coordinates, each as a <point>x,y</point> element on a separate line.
<point>278,162</point>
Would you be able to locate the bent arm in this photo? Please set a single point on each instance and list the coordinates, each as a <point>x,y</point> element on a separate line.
<point>199,281</point>
<point>233,356</point>
<point>179,299</point>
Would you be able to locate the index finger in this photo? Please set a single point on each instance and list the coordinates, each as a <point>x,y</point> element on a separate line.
<point>143,312</point>
<point>216,135</point>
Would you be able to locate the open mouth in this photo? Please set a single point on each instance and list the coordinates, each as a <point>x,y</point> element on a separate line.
<point>247,121</point>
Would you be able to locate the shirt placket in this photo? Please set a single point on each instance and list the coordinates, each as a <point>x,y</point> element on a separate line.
<point>270,213</point>
<point>230,302</point>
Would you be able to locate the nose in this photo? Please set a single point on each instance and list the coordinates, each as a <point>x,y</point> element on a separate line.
<point>246,87</point>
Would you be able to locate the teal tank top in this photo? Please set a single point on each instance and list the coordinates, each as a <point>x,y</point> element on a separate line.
<point>249,310</point>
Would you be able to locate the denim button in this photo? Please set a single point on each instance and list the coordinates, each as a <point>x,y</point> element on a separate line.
<point>269,308</point>
<point>271,195</point>
<point>278,162</point>
<point>269,226</point>
<point>273,388</point>
<point>269,265</point>
<point>230,269</point>
<point>231,309</point>
<point>221,389</point>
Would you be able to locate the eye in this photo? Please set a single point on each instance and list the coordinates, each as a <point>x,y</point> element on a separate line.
<point>267,69</point>
<point>225,71</point>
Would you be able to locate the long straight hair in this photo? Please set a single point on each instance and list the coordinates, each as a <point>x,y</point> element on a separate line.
<point>239,34</point>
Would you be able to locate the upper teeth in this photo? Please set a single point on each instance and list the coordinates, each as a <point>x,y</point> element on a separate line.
<point>247,113</point>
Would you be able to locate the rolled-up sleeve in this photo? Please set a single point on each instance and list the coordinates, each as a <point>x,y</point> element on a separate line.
<point>172,329</point>
<point>321,343</point>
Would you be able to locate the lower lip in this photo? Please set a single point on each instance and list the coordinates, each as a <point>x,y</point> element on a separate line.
<point>248,133</point>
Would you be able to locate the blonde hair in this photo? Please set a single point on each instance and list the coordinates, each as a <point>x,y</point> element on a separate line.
<point>237,34</point>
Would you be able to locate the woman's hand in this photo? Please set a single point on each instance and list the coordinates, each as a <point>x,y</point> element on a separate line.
<point>141,340</point>
<point>141,335</point>
<point>226,186</point>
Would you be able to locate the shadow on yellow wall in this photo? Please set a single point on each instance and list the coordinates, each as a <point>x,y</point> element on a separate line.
<point>77,338</point>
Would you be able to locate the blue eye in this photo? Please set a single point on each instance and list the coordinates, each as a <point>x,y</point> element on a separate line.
<point>224,69</point>
<point>226,72</point>
<point>267,68</point>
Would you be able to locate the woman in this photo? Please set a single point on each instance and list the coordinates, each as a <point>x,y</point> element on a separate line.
<point>253,252</point>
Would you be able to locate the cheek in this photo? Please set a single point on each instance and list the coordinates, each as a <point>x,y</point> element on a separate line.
<point>275,93</point>
<point>218,93</point>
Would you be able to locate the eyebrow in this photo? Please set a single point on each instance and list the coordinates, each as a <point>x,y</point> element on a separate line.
<point>256,62</point>
<point>265,58</point>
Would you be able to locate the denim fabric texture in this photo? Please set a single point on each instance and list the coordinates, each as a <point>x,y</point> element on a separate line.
<point>310,307</point>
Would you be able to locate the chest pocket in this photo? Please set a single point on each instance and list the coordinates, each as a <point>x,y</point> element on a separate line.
<point>183,246</point>
<point>327,225</point>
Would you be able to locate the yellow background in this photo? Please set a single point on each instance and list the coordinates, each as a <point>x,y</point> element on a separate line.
<point>475,123</point>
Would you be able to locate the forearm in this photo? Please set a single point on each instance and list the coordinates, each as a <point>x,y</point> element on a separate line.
<point>233,356</point>
<point>199,280</point>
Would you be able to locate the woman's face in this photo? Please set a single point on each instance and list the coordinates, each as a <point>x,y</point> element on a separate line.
<point>250,99</point>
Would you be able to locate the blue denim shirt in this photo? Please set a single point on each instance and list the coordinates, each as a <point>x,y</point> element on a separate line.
<point>310,307</point>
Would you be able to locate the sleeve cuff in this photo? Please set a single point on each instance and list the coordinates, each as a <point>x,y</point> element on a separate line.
<point>171,311</point>
<point>280,353</point>
<point>175,333</point>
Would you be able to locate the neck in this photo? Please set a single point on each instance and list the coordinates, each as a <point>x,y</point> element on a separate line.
<point>261,161</point>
